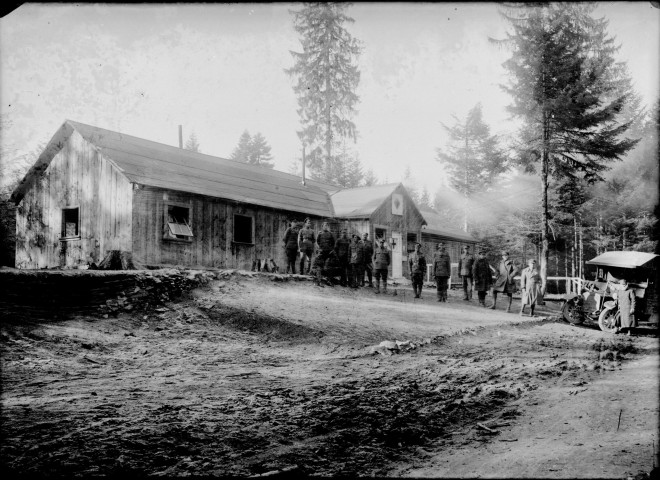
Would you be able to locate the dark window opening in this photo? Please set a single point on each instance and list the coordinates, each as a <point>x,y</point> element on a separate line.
<point>380,233</point>
<point>70,222</point>
<point>178,222</point>
<point>411,240</point>
<point>243,229</point>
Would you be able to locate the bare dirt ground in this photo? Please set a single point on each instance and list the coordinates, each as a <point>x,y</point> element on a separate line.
<point>253,377</point>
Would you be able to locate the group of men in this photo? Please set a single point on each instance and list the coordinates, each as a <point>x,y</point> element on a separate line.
<point>350,259</point>
<point>476,274</point>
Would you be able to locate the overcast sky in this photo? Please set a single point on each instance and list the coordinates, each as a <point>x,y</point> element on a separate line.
<point>218,69</point>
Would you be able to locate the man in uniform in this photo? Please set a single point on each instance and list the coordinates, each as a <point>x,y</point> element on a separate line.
<point>326,243</point>
<point>381,265</point>
<point>341,249</point>
<point>465,264</point>
<point>355,253</point>
<point>441,271</point>
<point>482,277</point>
<point>306,239</point>
<point>417,263</point>
<point>368,254</point>
<point>291,246</point>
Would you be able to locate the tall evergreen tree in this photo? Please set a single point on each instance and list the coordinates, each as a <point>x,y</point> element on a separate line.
<point>242,151</point>
<point>260,152</point>
<point>192,143</point>
<point>472,158</point>
<point>563,84</point>
<point>370,178</point>
<point>327,77</point>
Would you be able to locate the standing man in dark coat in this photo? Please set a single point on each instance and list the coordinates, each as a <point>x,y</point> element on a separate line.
<point>626,299</point>
<point>291,246</point>
<point>355,253</point>
<point>326,243</point>
<point>368,254</point>
<point>441,271</point>
<point>381,264</point>
<point>417,263</point>
<point>465,264</point>
<point>505,282</point>
<point>482,277</point>
<point>341,249</point>
<point>306,239</point>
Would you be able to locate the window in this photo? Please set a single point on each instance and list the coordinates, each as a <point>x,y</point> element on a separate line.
<point>70,222</point>
<point>243,229</point>
<point>380,233</point>
<point>411,240</point>
<point>179,222</point>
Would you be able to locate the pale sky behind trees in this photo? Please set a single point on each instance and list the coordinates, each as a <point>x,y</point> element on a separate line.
<point>218,70</point>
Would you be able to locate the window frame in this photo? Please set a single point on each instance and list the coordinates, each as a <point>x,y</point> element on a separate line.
<point>252,225</point>
<point>167,233</point>
<point>63,235</point>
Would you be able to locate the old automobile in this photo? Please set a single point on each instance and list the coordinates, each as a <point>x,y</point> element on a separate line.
<point>597,301</point>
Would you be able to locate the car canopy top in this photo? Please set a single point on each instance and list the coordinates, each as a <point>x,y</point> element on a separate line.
<point>623,259</point>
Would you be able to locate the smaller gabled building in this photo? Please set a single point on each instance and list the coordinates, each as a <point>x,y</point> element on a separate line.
<point>382,211</point>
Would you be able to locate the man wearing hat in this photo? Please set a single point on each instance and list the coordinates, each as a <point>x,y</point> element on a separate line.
<point>441,271</point>
<point>505,282</point>
<point>482,276</point>
<point>417,263</point>
<point>465,264</point>
<point>306,239</point>
<point>381,264</point>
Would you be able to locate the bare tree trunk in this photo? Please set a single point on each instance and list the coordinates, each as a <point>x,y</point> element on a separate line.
<point>545,231</point>
<point>581,251</point>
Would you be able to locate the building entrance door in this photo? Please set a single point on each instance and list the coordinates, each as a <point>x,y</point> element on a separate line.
<point>397,257</point>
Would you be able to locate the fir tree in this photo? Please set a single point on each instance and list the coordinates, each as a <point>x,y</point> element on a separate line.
<point>370,178</point>
<point>326,81</point>
<point>192,143</point>
<point>242,151</point>
<point>563,87</point>
<point>472,158</point>
<point>260,152</point>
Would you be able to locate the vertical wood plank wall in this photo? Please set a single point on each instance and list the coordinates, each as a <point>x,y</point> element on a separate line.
<point>212,244</point>
<point>77,176</point>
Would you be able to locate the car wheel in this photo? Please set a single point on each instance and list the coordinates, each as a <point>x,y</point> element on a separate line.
<point>609,319</point>
<point>572,312</point>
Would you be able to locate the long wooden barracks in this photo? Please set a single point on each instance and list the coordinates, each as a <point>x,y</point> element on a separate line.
<point>93,190</point>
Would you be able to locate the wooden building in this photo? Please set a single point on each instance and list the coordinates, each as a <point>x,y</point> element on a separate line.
<point>435,231</point>
<point>382,211</point>
<point>93,190</point>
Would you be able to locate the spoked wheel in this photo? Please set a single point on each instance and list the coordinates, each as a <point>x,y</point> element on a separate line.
<point>572,312</point>
<point>609,319</point>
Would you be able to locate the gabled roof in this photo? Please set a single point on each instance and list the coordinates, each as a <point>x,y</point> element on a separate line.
<point>623,259</point>
<point>361,202</point>
<point>158,165</point>
<point>435,226</point>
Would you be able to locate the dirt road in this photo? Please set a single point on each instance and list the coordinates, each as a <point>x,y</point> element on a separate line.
<point>250,376</point>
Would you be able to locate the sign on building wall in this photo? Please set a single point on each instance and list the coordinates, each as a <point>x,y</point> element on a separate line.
<point>397,204</point>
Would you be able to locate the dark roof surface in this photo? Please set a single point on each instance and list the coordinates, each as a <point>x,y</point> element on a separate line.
<point>158,165</point>
<point>435,226</point>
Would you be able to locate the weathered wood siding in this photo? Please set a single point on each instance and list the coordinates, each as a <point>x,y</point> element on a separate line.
<point>409,222</point>
<point>78,176</point>
<point>212,244</point>
<point>454,248</point>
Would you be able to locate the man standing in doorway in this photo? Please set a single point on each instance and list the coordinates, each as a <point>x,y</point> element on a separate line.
<point>465,271</point>
<point>368,254</point>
